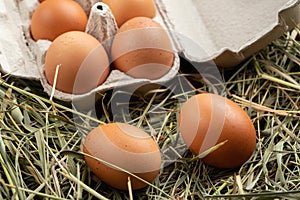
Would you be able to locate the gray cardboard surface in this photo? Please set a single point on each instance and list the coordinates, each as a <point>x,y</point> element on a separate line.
<point>228,31</point>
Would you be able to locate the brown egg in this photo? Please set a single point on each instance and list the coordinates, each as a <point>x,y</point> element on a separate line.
<point>207,120</point>
<point>124,146</point>
<point>125,10</point>
<point>83,62</point>
<point>54,17</point>
<point>142,49</point>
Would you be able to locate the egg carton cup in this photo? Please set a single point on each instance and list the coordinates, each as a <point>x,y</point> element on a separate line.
<point>23,57</point>
<point>227,32</point>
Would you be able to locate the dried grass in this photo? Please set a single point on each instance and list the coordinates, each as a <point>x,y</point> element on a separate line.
<point>40,142</point>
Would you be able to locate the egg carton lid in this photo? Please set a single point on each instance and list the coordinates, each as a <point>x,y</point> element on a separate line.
<point>228,31</point>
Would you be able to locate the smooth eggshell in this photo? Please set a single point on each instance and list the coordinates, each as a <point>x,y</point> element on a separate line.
<point>125,10</point>
<point>83,62</point>
<point>51,18</point>
<point>206,120</point>
<point>127,147</point>
<point>142,49</point>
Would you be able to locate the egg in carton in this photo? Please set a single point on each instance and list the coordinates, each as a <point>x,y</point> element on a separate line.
<point>28,61</point>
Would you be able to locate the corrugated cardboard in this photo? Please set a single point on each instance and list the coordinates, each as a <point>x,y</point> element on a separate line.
<point>224,31</point>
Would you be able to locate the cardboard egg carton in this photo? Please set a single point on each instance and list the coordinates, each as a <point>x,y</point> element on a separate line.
<point>229,31</point>
<point>202,30</point>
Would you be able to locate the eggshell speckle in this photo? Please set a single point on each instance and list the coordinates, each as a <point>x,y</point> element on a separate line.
<point>142,49</point>
<point>82,60</point>
<point>125,10</point>
<point>53,17</point>
<point>127,147</point>
<point>207,119</point>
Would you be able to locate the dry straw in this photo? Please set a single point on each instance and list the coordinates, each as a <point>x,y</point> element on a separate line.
<point>40,155</point>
